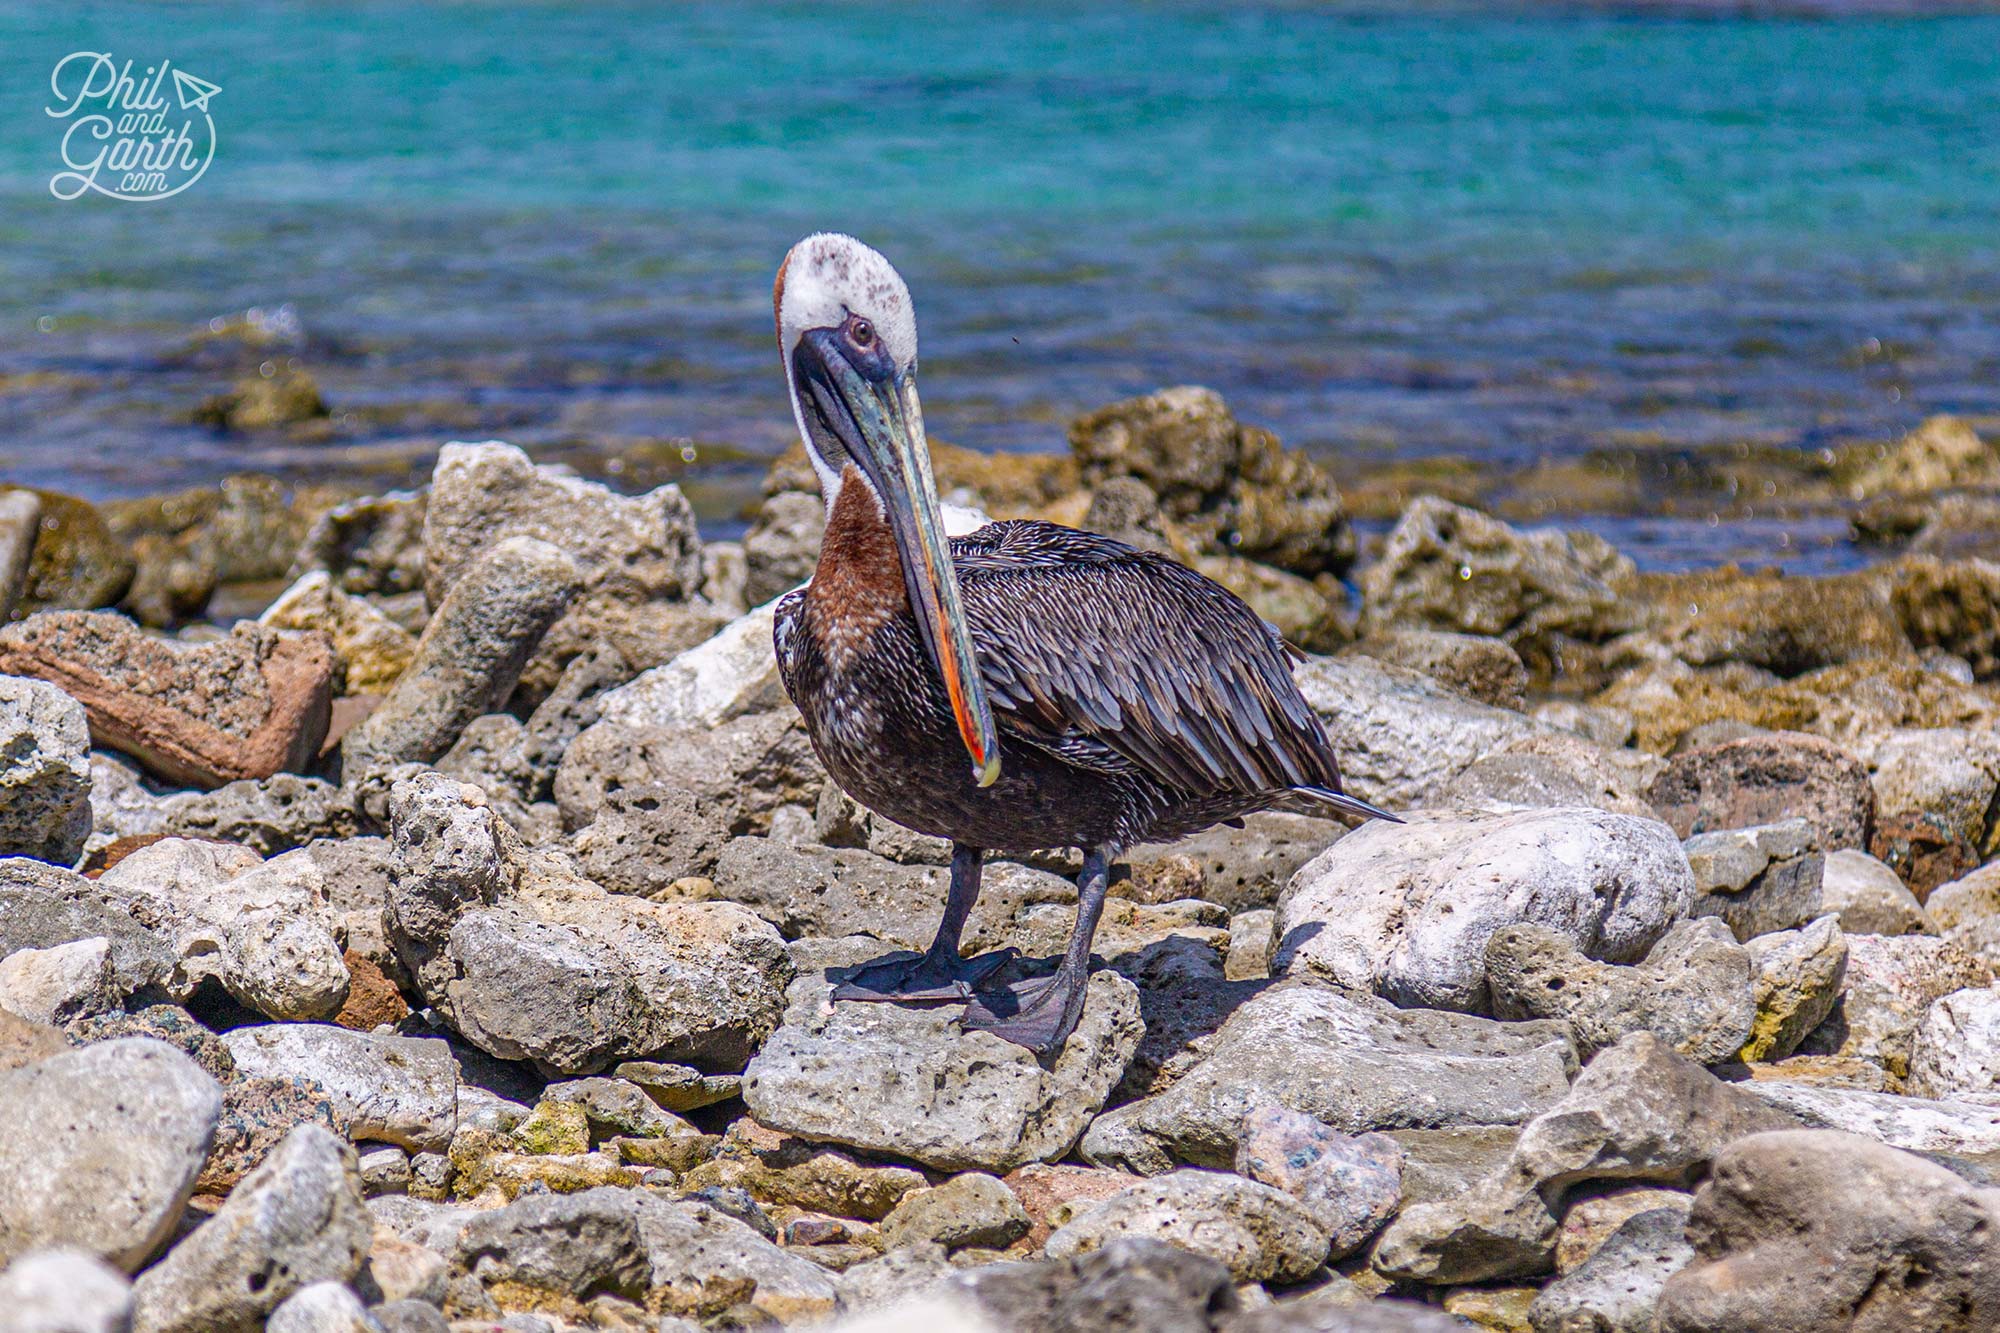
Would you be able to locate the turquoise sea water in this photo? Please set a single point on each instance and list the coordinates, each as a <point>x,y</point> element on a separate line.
<point>1505,234</point>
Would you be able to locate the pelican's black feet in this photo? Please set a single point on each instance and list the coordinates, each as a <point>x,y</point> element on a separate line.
<point>1038,1013</point>
<point>926,979</point>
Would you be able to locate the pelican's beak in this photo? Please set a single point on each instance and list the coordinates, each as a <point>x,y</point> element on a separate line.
<point>880,424</point>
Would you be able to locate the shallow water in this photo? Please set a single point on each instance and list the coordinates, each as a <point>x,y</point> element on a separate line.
<point>1512,236</point>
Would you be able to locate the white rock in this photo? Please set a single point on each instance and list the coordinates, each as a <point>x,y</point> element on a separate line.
<point>1257,1232</point>
<point>1951,773</point>
<point>263,929</point>
<point>1915,1124</point>
<point>64,1291</point>
<point>734,673</point>
<point>324,1307</point>
<point>1957,1050</point>
<point>100,1147</point>
<point>400,1090</point>
<point>62,983</point>
<point>44,772</point>
<point>1406,910</point>
<point>1869,897</point>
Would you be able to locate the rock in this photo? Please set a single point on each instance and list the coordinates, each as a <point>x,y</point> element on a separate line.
<point>908,1082</point>
<point>1252,937</point>
<point>807,890</point>
<point>1231,485</point>
<point>1957,1046</point>
<point>44,907</point>
<point>264,403</point>
<point>555,1253</point>
<point>1891,982</point>
<point>782,546</point>
<point>646,838</point>
<point>472,652</point>
<point>278,814</point>
<point>1950,776</point>
<point>65,1291</point>
<point>243,706</point>
<point>1478,667</point>
<point>1591,1220</point>
<point>1401,736</point>
<point>1954,1129</point>
<point>20,524</point>
<point>1446,567</point>
<point>264,931</point>
<point>385,1169</point>
<point>374,649</point>
<point>967,1209</point>
<point>1813,1230</point>
<point>1692,991</point>
<point>1617,1289</point>
<point>1245,868</point>
<point>1763,779</point>
<point>732,674</point>
<point>1259,1233</point>
<point>1758,879</point>
<point>632,554</point>
<point>1951,606</point>
<point>1127,932</point>
<point>742,769</point>
<point>1051,1194</point>
<point>62,984</point>
<point>1549,771</point>
<point>297,1219</point>
<point>1351,1184</point>
<point>1942,453</point>
<point>780,1169</point>
<point>24,1041</point>
<point>369,545</point>
<point>1604,726</point>
<point>1406,910</point>
<point>76,563</point>
<point>101,1147</point>
<point>257,1113</point>
<point>44,771</point>
<point>1868,897</point>
<point>557,970</point>
<point>323,1307</point>
<point>1638,1112</point>
<point>400,1090</point>
<point>1796,977</point>
<point>1967,912</point>
<point>1129,1283</point>
<point>679,1087</point>
<point>1920,852</point>
<point>1355,1062</point>
<point>1786,625</point>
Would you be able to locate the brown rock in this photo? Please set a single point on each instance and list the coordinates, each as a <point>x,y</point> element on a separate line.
<point>1763,779</point>
<point>372,999</point>
<point>76,563</point>
<point>1052,1193</point>
<point>245,706</point>
<point>23,1042</point>
<point>1921,852</point>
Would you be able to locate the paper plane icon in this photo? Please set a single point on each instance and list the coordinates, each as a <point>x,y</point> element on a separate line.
<point>194,93</point>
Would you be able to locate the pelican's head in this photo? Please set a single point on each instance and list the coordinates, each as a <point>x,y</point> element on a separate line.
<point>848,334</point>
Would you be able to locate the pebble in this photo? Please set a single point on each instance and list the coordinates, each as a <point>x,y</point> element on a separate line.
<point>1406,910</point>
<point>100,1148</point>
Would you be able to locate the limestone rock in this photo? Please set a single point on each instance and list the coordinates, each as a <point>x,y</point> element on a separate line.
<point>44,772</point>
<point>1942,453</point>
<point>1692,991</point>
<point>1809,1230</point>
<point>374,649</point>
<point>60,984</point>
<point>1915,1124</point>
<point>647,838</point>
<point>1948,775</point>
<point>65,1291</point>
<point>389,1089</point>
<point>1762,779</point>
<point>1617,1288</point>
<point>1957,1046</point>
<point>44,907</point>
<point>1406,910</point>
<point>1760,879</point>
<point>1868,897</point>
<point>1259,1233</point>
<point>783,1169</point>
<point>1351,1184</point>
<point>244,706</point>
<point>908,1082</point>
<point>1355,1062</point>
<point>1481,668</point>
<point>1891,982</point>
<point>323,1307</point>
<point>1797,979</point>
<point>742,769</point>
<point>297,1219</point>
<point>1967,912</point>
<point>967,1209</point>
<point>100,1148</point>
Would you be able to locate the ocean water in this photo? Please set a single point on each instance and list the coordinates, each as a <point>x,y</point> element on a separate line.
<point>1511,235</point>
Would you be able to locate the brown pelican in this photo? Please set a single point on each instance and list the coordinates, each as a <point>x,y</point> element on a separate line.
<point>1103,695</point>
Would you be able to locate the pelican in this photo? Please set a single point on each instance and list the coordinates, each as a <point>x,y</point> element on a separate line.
<point>1026,687</point>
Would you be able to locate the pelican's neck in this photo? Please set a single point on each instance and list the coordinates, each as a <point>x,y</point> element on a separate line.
<point>858,583</point>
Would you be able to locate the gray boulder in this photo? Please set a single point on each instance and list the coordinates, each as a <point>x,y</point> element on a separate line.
<point>100,1148</point>
<point>1406,910</point>
<point>299,1218</point>
<point>742,769</point>
<point>1758,879</point>
<point>1891,981</point>
<point>910,1083</point>
<point>44,907</point>
<point>387,1089</point>
<point>1617,1289</point>
<point>1957,1047</point>
<point>1869,897</point>
<point>44,772</point>
<point>1353,1061</point>
<point>323,1307</point>
<point>1260,1234</point>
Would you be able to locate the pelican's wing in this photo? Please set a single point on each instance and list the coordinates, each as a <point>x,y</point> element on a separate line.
<point>1089,645</point>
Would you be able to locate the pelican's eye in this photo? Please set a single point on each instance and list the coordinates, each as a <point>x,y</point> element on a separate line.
<point>861,333</point>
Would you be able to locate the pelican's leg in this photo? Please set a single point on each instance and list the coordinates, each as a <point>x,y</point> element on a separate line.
<point>1041,1013</point>
<point>940,974</point>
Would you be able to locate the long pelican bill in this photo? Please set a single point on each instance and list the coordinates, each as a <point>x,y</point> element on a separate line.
<point>880,423</point>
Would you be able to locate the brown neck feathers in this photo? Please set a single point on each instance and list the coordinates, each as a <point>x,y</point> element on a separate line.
<point>859,582</point>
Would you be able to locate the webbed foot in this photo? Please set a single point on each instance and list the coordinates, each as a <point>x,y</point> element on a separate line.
<point>925,979</point>
<point>1038,1013</point>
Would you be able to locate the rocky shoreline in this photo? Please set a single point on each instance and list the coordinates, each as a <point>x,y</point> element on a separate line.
<point>444,943</point>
